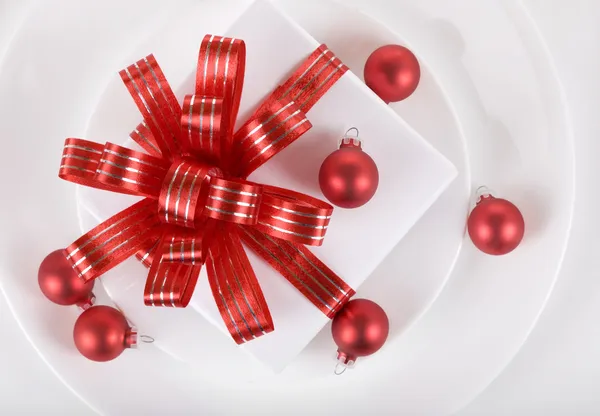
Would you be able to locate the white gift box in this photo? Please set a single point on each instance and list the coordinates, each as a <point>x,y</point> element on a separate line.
<point>412,174</point>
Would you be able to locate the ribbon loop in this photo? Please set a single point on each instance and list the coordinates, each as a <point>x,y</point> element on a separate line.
<point>293,216</point>
<point>271,130</point>
<point>201,122</point>
<point>234,201</point>
<point>189,246</point>
<point>170,284</point>
<point>157,103</point>
<point>79,161</point>
<point>220,74</point>
<point>184,192</point>
<point>131,172</point>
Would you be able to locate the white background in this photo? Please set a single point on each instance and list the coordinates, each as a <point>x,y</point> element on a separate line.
<point>558,369</point>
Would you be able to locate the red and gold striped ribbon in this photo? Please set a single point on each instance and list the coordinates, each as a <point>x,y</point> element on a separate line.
<point>199,206</point>
<point>184,192</point>
<point>157,103</point>
<point>317,282</point>
<point>220,73</point>
<point>293,216</point>
<point>114,240</point>
<point>312,79</point>
<point>201,123</point>
<point>79,162</point>
<point>170,284</point>
<point>268,133</point>
<point>144,137</point>
<point>132,172</point>
<point>147,251</point>
<point>234,201</point>
<point>236,290</point>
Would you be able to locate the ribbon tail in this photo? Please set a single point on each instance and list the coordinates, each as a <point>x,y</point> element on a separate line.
<point>114,240</point>
<point>236,290</point>
<point>268,132</point>
<point>317,282</point>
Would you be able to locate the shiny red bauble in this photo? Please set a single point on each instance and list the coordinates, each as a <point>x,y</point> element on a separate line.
<point>495,225</point>
<point>349,177</point>
<point>359,329</point>
<point>102,333</point>
<point>60,283</point>
<point>392,72</point>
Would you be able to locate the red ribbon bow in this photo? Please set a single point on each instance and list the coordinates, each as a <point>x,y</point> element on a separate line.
<point>198,205</point>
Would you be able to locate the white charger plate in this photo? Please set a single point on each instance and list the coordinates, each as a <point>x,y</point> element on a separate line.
<point>453,93</point>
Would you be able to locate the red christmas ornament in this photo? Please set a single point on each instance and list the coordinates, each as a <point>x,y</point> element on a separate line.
<point>495,225</point>
<point>61,284</point>
<point>349,177</point>
<point>359,329</point>
<point>102,333</point>
<point>392,72</point>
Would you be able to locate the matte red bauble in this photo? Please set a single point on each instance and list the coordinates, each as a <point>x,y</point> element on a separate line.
<point>102,333</point>
<point>495,225</point>
<point>61,284</point>
<point>349,177</point>
<point>359,329</point>
<point>392,72</point>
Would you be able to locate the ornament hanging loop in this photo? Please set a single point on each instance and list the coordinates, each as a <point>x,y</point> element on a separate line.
<point>337,370</point>
<point>350,140</point>
<point>349,130</point>
<point>344,362</point>
<point>482,192</point>
<point>146,339</point>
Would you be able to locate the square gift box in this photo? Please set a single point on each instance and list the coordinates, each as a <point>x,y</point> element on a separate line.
<point>412,176</point>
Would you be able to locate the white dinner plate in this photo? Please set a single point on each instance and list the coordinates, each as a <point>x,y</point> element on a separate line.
<point>411,176</point>
<point>488,101</point>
